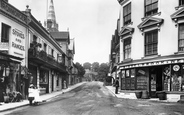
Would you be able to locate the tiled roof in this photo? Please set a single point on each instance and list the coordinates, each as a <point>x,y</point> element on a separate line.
<point>60,35</point>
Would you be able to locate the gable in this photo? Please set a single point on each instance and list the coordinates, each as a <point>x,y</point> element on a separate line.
<point>126,31</point>
<point>178,14</point>
<point>151,21</point>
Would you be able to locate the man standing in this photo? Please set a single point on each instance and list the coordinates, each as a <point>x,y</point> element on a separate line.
<point>116,85</point>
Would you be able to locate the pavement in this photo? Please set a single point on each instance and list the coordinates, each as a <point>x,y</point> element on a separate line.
<point>131,95</point>
<point>45,97</point>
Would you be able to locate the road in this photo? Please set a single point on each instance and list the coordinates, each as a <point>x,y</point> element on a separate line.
<point>93,98</point>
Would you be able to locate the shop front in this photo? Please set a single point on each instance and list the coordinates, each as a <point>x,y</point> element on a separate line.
<point>9,75</point>
<point>155,77</point>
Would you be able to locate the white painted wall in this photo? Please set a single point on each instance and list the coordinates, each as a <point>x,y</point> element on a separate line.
<point>168,34</point>
<point>22,29</point>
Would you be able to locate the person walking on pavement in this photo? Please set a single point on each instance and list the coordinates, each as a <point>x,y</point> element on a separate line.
<point>116,85</point>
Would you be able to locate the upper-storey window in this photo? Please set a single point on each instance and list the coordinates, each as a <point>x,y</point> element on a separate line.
<point>127,14</point>
<point>151,41</point>
<point>181,2</point>
<point>127,48</point>
<point>52,53</point>
<point>151,7</point>
<point>34,38</point>
<point>45,47</point>
<point>5,33</point>
<point>181,38</point>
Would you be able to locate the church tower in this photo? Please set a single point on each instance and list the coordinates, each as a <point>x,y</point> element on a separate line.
<point>50,23</point>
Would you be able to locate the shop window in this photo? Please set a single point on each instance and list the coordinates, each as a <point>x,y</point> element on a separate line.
<point>151,41</point>
<point>132,73</point>
<point>5,33</point>
<point>127,48</point>
<point>174,78</point>
<point>151,7</point>
<point>181,2</point>
<point>127,73</point>
<point>43,77</point>
<point>181,38</point>
<point>127,14</point>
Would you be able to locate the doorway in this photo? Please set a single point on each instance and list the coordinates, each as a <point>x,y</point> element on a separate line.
<point>155,80</point>
<point>52,83</point>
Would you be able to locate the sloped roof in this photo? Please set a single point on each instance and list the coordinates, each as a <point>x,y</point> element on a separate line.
<point>60,35</point>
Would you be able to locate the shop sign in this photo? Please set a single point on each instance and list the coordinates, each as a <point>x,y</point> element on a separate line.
<point>175,61</point>
<point>176,67</point>
<point>18,42</point>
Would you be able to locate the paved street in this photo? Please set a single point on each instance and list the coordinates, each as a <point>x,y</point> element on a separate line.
<point>92,98</point>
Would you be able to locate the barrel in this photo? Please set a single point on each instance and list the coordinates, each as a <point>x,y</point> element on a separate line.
<point>138,94</point>
<point>145,95</point>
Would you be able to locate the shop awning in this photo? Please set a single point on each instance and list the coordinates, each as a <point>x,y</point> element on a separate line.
<point>7,57</point>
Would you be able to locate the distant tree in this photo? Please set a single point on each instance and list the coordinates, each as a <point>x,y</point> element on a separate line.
<point>95,66</point>
<point>81,70</point>
<point>87,65</point>
<point>103,70</point>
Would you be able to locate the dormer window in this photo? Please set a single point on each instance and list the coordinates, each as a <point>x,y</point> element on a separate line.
<point>151,7</point>
<point>181,2</point>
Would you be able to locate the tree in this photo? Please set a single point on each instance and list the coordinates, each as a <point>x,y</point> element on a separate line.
<point>103,70</point>
<point>95,66</point>
<point>87,65</point>
<point>81,70</point>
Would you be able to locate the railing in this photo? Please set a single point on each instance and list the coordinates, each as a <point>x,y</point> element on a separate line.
<point>43,56</point>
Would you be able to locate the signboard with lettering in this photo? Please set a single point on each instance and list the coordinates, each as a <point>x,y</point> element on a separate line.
<point>17,42</point>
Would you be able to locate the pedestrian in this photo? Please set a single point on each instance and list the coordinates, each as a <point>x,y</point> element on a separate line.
<point>116,85</point>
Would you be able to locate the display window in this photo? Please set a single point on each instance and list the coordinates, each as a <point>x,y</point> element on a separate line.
<point>174,77</point>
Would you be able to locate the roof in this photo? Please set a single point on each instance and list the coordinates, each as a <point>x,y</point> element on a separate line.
<point>60,35</point>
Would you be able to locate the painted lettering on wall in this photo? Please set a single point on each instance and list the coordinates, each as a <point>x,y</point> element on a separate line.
<point>18,40</point>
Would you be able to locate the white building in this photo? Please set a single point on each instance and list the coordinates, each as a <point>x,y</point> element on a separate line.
<point>152,46</point>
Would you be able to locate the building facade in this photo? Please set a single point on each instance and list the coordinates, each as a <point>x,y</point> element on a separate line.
<point>151,46</point>
<point>29,54</point>
<point>13,45</point>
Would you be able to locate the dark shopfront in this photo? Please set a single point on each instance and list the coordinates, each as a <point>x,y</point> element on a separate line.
<point>141,79</point>
<point>168,78</point>
<point>9,75</point>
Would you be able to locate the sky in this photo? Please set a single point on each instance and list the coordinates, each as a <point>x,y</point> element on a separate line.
<point>90,22</point>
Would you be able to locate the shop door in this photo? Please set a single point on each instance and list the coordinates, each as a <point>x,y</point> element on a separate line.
<point>155,80</point>
<point>52,82</point>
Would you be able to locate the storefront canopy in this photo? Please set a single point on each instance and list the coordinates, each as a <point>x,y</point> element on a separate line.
<point>7,57</point>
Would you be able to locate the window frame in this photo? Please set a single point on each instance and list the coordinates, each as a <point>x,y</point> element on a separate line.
<point>152,10</point>
<point>180,39</point>
<point>127,14</point>
<point>181,2</point>
<point>151,43</point>
<point>5,33</point>
<point>126,49</point>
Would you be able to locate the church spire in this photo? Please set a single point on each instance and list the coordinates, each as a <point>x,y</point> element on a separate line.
<point>51,12</point>
<point>50,23</point>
